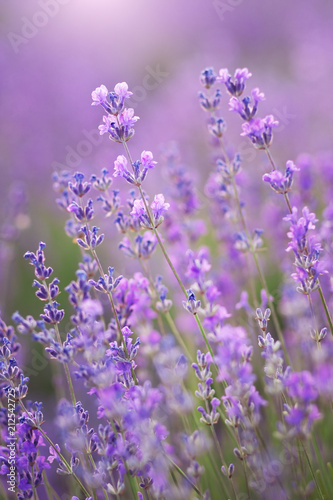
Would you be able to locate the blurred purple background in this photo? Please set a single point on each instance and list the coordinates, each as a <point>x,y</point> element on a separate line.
<point>54,53</point>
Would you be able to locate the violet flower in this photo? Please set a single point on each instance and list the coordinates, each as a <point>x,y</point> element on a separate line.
<point>279,182</point>
<point>260,131</point>
<point>306,250</point>
<point>237,86</point>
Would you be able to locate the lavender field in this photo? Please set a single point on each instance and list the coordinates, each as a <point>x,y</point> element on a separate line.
<point>166,253</point>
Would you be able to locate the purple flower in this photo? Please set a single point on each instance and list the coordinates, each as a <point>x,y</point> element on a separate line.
<point>281,183</point>
<point>138,209</point>
<point>159,207</point>
<point>120,166</point>
<point>127,118</point>
<point>301,387</point>
<point>198,266</point>
<point>306,250</point>
<point>105,127</point>
<point>99,95</point>
<point>191,304</point>
<point>247,108</point>
<point>302,413</point>
<point>260,131</point>
<point>37,260</point>
<point>106,283</point>
<point>53,454</point>
<point>92,307</point>
<point>79,188</point>
<point>147,159</point>
<point>210,104</point>
<point>208,77</point>
<point>236,87</point>
<point>121,89</point>
<point>122,130</point>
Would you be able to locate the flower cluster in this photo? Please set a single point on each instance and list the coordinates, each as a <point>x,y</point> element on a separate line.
<point>306,250</point>
<point>258,130</point>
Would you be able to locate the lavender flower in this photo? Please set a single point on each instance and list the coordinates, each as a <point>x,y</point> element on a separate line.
<point>208,77</point>
<point>247,108</point>
<point>306,250</point>
<point>302,414</point>
<point>260,131</point>
<point>279,182</point>
<point>236,87</point>
<point>159,208</point>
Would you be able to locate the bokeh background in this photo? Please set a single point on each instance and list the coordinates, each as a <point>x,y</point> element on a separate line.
<point>54,53</point>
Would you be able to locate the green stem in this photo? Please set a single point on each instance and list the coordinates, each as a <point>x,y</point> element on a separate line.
<point>50,491</point>
<point>182,473</point>
<point>203,333</point>
<point>327,313</point>
<point>312,472</point>
<point>177,334</point>
<point>327,479</point>
<point>47,486</point>
<point>70,384</point>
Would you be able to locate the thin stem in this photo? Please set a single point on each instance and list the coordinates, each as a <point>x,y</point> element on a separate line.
<point>327,313</point>
<point>182,473</point>
<point>312,472</point>
<point>327,478</point>
<point>203,333</point>
<point>176,333</point>
<point>50,490</point>
<point>70,384</point>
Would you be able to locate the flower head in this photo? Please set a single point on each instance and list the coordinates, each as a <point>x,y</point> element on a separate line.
<point>159,207</point>
<point>237,86</point>
<point>260,131</point>
<point>121,89</point>
<point>147,159</point>
<point>99,95</point>
<point>138,209</point>
<point>120,166</point>
<point>281,183</point>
